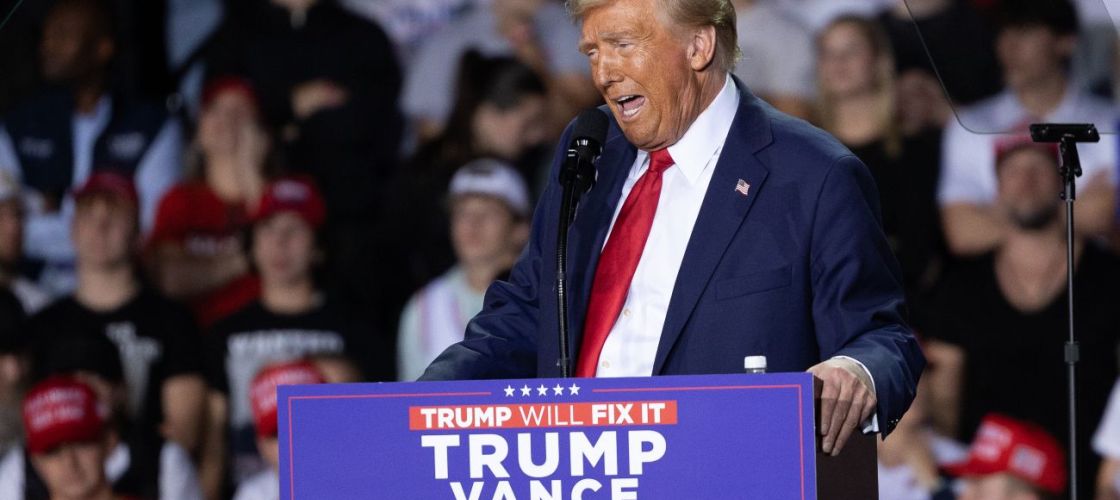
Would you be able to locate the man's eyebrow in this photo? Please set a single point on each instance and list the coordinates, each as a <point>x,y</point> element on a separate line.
<point>609,36</point>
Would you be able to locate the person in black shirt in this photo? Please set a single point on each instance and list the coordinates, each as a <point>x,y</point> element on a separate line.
<point>498,113</point>
<point>1005,315</point>
<point>329,81</point>
<point>158,343</point>
<point>292,320</point>
<point>960,44</point>
<point>858,105</point>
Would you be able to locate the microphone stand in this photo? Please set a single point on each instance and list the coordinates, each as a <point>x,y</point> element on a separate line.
<point>1070,170</point>
<point>576,177</point>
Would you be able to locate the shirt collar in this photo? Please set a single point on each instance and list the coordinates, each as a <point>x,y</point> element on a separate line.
<point>705,137</point>
<point>102,111</point>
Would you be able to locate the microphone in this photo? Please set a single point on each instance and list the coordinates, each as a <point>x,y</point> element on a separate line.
<point>577,175</point>
<point>588,135</point>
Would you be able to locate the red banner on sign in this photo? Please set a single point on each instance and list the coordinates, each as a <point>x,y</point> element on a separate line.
<point>522,416</point>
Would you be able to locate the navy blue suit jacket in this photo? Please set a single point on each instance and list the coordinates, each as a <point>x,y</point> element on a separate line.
<point>797,270</point>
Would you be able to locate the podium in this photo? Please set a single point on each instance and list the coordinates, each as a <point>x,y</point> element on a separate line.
<point>670,437</point>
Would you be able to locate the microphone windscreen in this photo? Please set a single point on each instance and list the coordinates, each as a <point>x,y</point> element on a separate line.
<point>591,124</point>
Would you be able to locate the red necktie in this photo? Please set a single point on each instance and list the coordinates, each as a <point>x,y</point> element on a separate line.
<point>619,260</point>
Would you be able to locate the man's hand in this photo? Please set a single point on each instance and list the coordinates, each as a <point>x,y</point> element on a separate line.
<point>847,400</point>
<point>311,97</point>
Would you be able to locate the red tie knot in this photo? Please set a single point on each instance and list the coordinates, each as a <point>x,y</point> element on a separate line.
<point>660,161</point>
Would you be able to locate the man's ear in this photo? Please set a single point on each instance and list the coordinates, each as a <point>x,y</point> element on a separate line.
<point>702,48</point>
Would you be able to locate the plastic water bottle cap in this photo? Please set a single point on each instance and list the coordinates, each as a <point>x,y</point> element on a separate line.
<point>754,363</point>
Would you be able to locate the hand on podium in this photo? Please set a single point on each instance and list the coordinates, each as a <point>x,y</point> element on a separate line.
<point>847,400</point>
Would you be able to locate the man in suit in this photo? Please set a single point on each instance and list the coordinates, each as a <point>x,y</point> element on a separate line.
<point>718,228</point>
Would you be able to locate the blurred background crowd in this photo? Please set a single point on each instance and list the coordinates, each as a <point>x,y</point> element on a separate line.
<point>202,199</point>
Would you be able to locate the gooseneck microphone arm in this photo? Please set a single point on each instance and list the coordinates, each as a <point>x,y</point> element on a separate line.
<point>577,175</point>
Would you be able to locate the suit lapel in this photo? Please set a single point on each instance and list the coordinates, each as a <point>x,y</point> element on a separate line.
<point>589,230</point>
<point>721,216</point>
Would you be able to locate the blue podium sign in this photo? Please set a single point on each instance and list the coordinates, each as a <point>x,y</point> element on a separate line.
<point>707,436</point>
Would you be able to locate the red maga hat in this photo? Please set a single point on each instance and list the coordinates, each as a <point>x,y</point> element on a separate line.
<point>262,392</point>
<point>1007,145</point>
<point>292,194</point>
<point>61,410</point>
<point>109,182</point>
<point>230,83</point>
<point>1022,449</point>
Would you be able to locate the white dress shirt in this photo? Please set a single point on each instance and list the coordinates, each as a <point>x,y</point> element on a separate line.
<point>968,148</point>
<point>632,343</point>
<point>631,346</point>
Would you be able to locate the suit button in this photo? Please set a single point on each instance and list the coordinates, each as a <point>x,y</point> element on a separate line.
<point>626,312</point>
<point>605,364</point>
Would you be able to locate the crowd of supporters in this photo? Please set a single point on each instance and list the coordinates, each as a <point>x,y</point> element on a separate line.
<point>203,199</point>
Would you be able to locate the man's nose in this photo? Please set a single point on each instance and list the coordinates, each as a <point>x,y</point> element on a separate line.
<point>606,71</point>
<point>70,456</point>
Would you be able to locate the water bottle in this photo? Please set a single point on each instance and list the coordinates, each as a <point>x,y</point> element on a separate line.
<point>754,364</point>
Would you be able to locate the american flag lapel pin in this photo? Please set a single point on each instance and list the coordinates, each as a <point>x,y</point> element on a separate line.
<point>742,187</point>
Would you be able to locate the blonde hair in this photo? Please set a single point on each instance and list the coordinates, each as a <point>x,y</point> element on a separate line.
<point>880,44</point>
<point>719,14</point>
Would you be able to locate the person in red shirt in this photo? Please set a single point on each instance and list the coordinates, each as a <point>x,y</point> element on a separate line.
<point>195,250</point>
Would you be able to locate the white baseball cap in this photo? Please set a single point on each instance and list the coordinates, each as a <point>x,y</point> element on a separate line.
<point>490,177</point>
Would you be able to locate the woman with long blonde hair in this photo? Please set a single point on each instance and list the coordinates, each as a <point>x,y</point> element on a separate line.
<point>858,102</point>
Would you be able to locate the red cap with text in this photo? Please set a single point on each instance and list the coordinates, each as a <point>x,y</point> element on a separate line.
<point>61,410</point>
<point>229,83</point>
<point>1024,450</point>
<point>262,392</point>
<point>292,194</point>
<point>1011,144</point>
<point>108,182</point>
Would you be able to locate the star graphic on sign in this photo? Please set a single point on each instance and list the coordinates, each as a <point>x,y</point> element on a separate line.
<point>525,390</point>
<point>573,390</point>
<point>542,390</point>
<point>509,391</point>
<point>558,390</point>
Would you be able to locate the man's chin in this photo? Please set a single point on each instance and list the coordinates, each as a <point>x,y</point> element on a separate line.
<point>640,138</point>
<point>1038,220</point>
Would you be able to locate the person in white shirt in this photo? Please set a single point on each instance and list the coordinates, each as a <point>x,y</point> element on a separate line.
<point>1106,442</point>
<point>536,32</point>
<point>1035,42</point>
<point>489,204</point>
<point>777,61</point>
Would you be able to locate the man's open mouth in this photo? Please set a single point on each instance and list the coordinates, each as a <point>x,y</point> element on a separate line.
<point>629,105</point>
